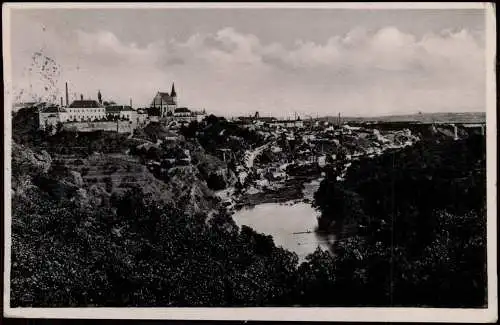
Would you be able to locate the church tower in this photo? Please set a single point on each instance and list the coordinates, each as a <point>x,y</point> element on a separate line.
<point>173,94</point>
<point>99,97</point>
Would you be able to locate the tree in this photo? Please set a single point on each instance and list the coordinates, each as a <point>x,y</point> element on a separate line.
<point>190,131</point>
<point>238,187</point>
<point>407,213</point>
<point>316,280</point>
<point>59,127</point>
<point>216,182</point>
<point>339,207</point>
<point>211,119</point>
<point>49,128</point>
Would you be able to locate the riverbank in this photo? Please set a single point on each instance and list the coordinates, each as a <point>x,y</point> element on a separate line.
<point>290,220</point>
<point>290,190</point>
<point>279,201</point>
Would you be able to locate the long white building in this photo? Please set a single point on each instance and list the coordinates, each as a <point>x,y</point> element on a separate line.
<point>85,110</point>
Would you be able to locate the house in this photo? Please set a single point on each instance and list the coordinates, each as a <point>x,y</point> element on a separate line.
<point>51,115</point>
<point>308,137</point>
<point>225,154</point>
<point>256,119</point>
<point>128,113</point>
<point>187,156</point>
<point>200,115</point>
<point>288,123</point>
<point>184,114</point>
<point>121,112</point>
<point>165,102</point>
<point>295,124</point>
<point>17,106</point>
<point>276,149</point>
<point>170,136</point>
<point>78,111</point>
<point>245,119</point>
<point>349,129</point>
<point>113,111</point>
<point>141,116</point>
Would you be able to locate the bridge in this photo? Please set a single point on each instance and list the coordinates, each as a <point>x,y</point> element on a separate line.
<point>479,126</point>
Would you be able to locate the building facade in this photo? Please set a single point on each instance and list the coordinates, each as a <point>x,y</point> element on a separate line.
<point>184,114</point>
<point>85,110</point>
<point>121,112</point>
<point>165,102</point>
<point>141,117</point>
<point>288,123</point>
<point>51,115</point>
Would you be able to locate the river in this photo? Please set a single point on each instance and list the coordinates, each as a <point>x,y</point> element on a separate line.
<point>290,224</point>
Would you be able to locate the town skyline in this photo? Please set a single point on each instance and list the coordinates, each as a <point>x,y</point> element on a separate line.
<point>357,62</point>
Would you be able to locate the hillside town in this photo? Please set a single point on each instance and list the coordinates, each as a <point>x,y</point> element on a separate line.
<point>299,182</point>
<point>87,115</point>
<point>167,157</point>
<point>249,160</point>
<point>253,159</point>
<point>252,171</point>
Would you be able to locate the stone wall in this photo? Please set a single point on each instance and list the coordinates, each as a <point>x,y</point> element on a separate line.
<point>115,126</point>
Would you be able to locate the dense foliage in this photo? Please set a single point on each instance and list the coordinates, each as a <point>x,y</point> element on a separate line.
<point>67,142</point>
<point>137,253</point>
<point>411,225</point>
<point>215,133</point>
<point>410,228</point>
<point>26,132</point>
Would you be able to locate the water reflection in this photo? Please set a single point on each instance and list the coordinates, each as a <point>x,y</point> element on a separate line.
<point>291,225</point>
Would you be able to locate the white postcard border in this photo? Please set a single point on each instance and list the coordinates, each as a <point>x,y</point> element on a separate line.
<point>489,314</point>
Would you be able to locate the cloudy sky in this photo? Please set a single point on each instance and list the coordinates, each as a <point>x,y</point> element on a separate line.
<point>275,61</point>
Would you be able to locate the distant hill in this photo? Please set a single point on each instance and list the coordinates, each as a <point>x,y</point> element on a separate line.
<point>469,117</point>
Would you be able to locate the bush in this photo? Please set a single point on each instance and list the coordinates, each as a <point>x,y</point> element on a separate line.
<point>141,255</point>
<point>418,213</point>
<point>216,182</point>
<point>410,231</point>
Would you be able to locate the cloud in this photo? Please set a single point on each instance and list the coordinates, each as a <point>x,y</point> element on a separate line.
<point>104,46</point>
<point>359,72</point>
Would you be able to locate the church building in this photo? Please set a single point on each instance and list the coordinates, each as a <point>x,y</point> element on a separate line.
<point>165,102</point>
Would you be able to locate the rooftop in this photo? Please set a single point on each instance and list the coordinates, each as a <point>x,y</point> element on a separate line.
<point>53,109</point>
<point>163,98</point>
<point>182,110</point>
<point>26,104</point>
<point>85,104</point>
<point>253,118</point>
<point>117,108</point>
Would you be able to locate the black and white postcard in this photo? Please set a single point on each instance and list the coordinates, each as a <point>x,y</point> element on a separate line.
<point>250,161</point>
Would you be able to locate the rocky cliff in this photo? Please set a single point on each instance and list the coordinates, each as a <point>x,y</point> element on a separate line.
<point>93,180</point>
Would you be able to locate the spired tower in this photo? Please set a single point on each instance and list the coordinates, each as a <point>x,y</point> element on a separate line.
<point>173,94</point>
<point>99,97</point>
